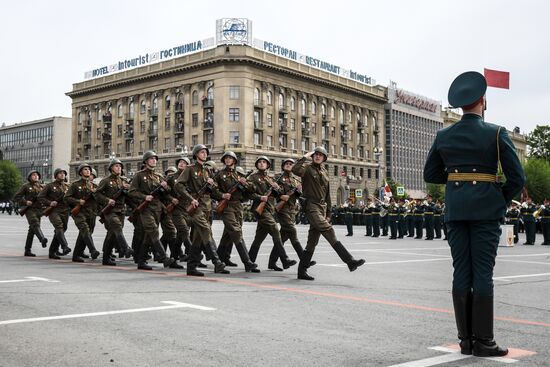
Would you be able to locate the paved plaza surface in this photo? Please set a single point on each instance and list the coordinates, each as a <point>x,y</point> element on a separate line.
<point>396,309</point>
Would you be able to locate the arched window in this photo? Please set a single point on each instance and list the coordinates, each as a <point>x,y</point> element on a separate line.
<point>256,96</point>
<point>210,94</point>
<point>142,107</point>
<point>131,109</point>
<point>119,110</point>
<point>167,103</point>
<point>292,104</point>
<point>358,118</point>
<point>269,98</point>
<point>366,120</point>
<point>349,116</point>
<point>303,107</point>
<point>155,105</point>
<point>323,109</point>
<point>281,101</point>
<point>313,108</point>
<point>332,112</point>
<point>195,98</point>
<point>341,116</point>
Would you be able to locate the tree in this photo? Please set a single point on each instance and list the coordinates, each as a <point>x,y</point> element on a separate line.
<point>437,191</point>
<point>539,143</point>
<point>537,179</point>
<point>10,179</point>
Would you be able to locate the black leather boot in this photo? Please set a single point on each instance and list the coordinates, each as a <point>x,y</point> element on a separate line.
<point>462,302</point>
<point>304,264</point>
<point>144,266</point>
<point>107,260</point>
<point>280,250</point>
<point>28,244</point>
<point>249,266</point>
<point>300,250</point>
<point>194,259</point>
<point>43,240</point>
<point>54,247</point>
<point>125,249</point>
<point>210,251</point>
<point>346,256</point>
<point>159,250</point>
<point>60,236</point>
<point>482,328</point>
<point>89,242</point>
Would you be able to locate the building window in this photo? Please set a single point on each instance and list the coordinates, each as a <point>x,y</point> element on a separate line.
<point>349,116</point>
<point>119,130</point>
<point>142,146</point>
<point>269,141</point>
<point>119,110</point>
<point>233,137</point>
<point>195,98</point>
<point>234,114</point>
<point>323,109</point>
<point>257,122</point>
<point>281,101</point>
<point>194,140</point>
<point>269,98</point>
<point>335,170</point>
<point>131,109</point>
<point>195,119</point>
<point>313,108</point>
<point>167,103</point>
<point>167,144</point>
<point>234,92</point>
<point>210,94</point>
<point>333,149</point>
<point>332,112</point>
<point>292,104</point>
<point>167,123</point>
<point>303,107</point>
<point>142,127</point>
<point>292,124</point>
<point>293,144</point>
<point>269,120</point>
<point>155,106</point>
<point>341,116</point>
<point>257,138</point>
<point>142,107</point>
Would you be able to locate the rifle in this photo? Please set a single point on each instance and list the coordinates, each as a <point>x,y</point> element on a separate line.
<point>261,207</point>
<point>48,211</point>
<point>281,204</point>
<point>24,210</point>
<point>190,208</point>
<point>223,204</point>
<point>76,210</point>
<point>144,204</point>
<point>108,208</point>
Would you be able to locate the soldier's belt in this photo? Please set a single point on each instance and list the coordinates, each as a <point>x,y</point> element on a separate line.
<point>474,177</point>
<point>514,218</point>
<point>429,213</point>
<point>391,214</point>
<point>527,214</point>
<point>437,215</point>
<point>419,215</point>
<point>546,216</point>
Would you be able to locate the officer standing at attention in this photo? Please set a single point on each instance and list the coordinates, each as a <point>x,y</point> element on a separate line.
<point>429,217</point>
<point>52,196</point>
<point>316,190</point>
<point>27,197</point>
<point>528,210</point>
<point>466,156</point>
<point>545,221</point>
<point>348,216</point>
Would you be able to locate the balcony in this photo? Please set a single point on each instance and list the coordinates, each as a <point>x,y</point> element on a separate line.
<point>178,129</point>
<point>258,125</point>
<point>208,123</point>
<point>106,136</point>
<point>129,117</point>
<point>87,140</point>
<point>283,129</point>
<point>284,108</point>
<point>208,103</point>
<point>129,135</point>
<point>375,129</point>
<point>259,103</point>
<point>178,107</point>
<point>107,117</point>
<point>306,131</point>
<point>154,112</point>
<point>153,132</point>
<point>87,122</point>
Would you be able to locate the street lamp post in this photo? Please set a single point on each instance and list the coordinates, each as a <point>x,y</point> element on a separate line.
<point>45,170</point>
<point>377,152</point>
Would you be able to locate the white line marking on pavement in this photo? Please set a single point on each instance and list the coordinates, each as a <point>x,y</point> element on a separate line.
<point>172,304</point>
<point>524,262</point>
<point>434,361</point>
<point>30,279</point>
<point>404,261</point>
<point>521,276</point>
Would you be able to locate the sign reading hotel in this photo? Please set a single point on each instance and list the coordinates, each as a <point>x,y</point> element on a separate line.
<point>229,31</point>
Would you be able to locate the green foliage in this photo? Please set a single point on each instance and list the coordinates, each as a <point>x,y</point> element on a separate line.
<point>436,190</point>
<point>537,175</point>
<point>539,143</point>
<point>10,179</point>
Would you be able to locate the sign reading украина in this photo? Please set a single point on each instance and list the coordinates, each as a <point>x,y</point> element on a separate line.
<point>228,31</point>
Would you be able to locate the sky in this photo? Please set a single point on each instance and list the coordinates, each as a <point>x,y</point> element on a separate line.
<point>422,45</point>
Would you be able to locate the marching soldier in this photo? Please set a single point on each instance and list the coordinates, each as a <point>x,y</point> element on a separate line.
<point>402,219</point>
<point>233,186</point>
<point>27,196</point>
<point>111,194</point>
<point>528,210</point>
<point>429,217</point>
<point>474,229</point>
<point>146,188</point>
<point>316,190</point>
<point>513,218</point>
<point>290,190</point>
<point>80,196</point>
<point>58,212</point>
<point>545,221</point>
<point>263,190</point>
<point>169,232</point>
<point>196,184</point>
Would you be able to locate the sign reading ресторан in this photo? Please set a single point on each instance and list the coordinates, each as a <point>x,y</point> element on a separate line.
<point>150,58</point>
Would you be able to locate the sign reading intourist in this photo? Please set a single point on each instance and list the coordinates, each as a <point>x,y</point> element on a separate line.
<point>228,31</point>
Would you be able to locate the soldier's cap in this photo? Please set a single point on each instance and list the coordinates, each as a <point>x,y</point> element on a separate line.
<point>31,172</point>
<point>466,89</point>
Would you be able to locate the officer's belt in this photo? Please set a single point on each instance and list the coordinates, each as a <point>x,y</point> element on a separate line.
<point>481,177</point>
<point>546,216</point>
<point>527,214</point>
<point>513,218</point>
<point>419,215</point>
<point>392,214</point>
<point>429,213</point>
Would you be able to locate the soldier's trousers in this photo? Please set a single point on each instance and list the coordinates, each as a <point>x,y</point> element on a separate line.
<point>85,222</point>
<point>181,221</point>
<point>418,223</point>
<point>401,227</point>
<point>411,224</point>
<point>375,225</point>
<point>437,226</point>
<point>59,218</point>
<point>393,226</point>
<point>169,235</point>
<point>33,218</point>
<point>385,222</point>
<point>267,225</point>
<point>232,218</point>
<point>429,223</point>
<point>114,222</point>
<point>288,232</point>
<point>515,223</point>
<point>368,224</point>
<point>348,219</point>
<point>546,232</point>
<point>474,249</point>
<point>150,220</point>
<point>530,231</point>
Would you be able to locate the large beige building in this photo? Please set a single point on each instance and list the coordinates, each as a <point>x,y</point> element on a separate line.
<point>232,97</point>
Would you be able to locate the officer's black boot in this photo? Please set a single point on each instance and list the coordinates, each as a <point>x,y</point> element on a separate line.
<point>280,250</point>
<point>108,249</point>
<point>249,266</point>
<point>79,247</point>
<point>158,249</point>
<point>346,256</point>
<point>210,250</point>
<point>121,240</point>
<point>43,240</point>
<point>60,236</point>
<point>482,328</point>
<point>185,255</point>
<point>28,244</point>
<point>300,250</point>
<point>305,260</point>
<point>462,302</point>
<point>89,243</point>
<point>194,259</point>
<point>54,246</point>
<point>273,257</point>
<point>253,252</point>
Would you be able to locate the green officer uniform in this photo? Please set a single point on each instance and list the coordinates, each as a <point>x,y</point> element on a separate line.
<point>29,192</point>
<point>465,157</point>
<point>545,221</point>
<point>316,190</point>
<point>367,214</point>
<point>527,215</point>
<point>59,216</point>
<point>429,219</point>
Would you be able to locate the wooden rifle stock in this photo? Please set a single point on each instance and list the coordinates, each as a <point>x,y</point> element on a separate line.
<point>281,204</point>
<point>48,211</point>
<point>223,204</point>
<point>24,210</point>
<point>108,208</point>
<point>144,204</point>
<point>261,207</point>
<point>190,209</point>
<point>76,210</point>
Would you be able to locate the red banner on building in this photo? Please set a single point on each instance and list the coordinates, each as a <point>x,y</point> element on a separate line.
<point>497,79</point>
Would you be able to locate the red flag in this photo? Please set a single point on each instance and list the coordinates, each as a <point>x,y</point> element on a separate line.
<point>497,79</point>
<point>387,190</point>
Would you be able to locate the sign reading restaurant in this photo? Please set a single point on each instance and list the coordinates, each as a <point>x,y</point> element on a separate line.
<point>228,31</point>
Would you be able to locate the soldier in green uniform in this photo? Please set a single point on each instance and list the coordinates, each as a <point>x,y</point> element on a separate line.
<point>81,193</point>
<point>429,217</point>
<point>419,219</point>
<point>411,218</point>
<point>437,219</point>
<point>148,185</point>
<point>316,190</point>
<point>367,213</point>
<point>169,232</point>
<point>27,197</point>
<point>376,209</point>
<point>290,190</point>
<point>401,219</point>
<point>263,189</point>
<point>348,216</point>
<point>465,157</point>
<point>52,196</point>
<point>545,221</point>
<point>112,192</point>
<point>196,185</point>
<point>232,185</point>
<point>528,210</point>
<point>512,216</point>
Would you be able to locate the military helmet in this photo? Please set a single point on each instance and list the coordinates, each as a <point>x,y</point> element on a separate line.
<point>58,170</point>
<point>210,164</point>
<point>94,172</point>
<point>197,148</point>
<point>82,166</point>
<point>113,162</point>
<point>183,158</point>
<point>287,160</point>
<point>149,154</point>
<point>31,172</point>
<point>240,171</point>
<point>229,154</point>
<point>169,170</point>
<point>265,159</point>
<point>321,150</point>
